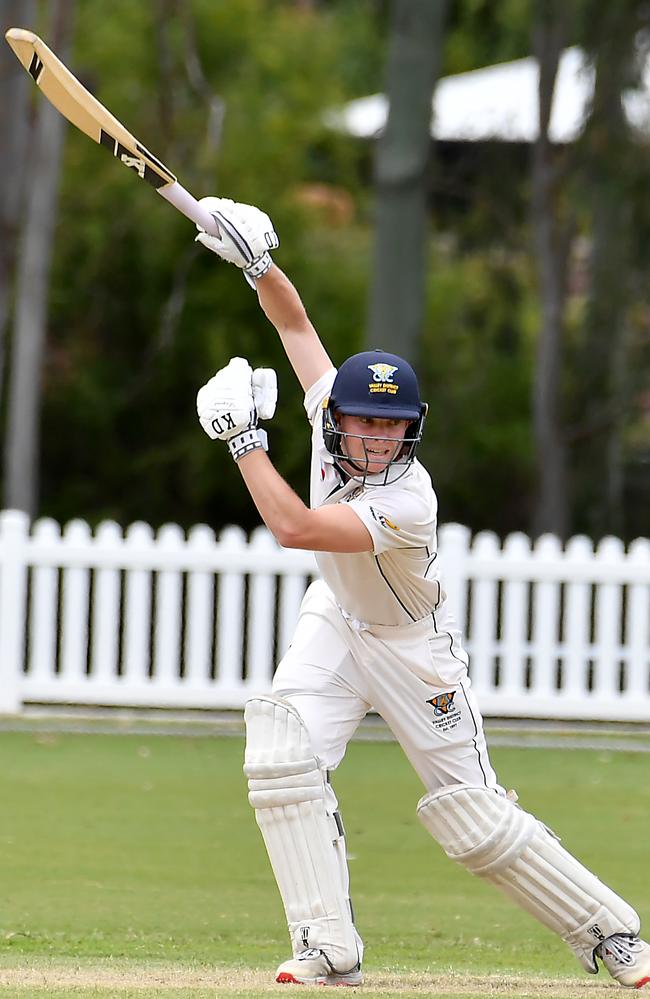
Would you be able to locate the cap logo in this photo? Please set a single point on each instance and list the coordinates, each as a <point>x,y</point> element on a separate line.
<point>382,378</point>
<point>382,372</point>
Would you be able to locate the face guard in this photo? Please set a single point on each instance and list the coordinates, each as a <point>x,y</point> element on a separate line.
<point>403,448</point>
<point>375,384</point>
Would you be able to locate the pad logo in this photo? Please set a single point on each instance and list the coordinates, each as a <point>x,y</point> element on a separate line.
<point>304,936</point>
<point>443,703</point>
<point>596,932</point>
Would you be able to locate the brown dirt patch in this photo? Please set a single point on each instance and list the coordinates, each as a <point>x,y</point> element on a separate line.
<point>46,976</point>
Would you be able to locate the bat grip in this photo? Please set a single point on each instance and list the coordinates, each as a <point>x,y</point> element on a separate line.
<point>189,206</point>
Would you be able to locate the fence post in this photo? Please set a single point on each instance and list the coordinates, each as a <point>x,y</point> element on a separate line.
<point>454,552</point>
<point>14,527</point>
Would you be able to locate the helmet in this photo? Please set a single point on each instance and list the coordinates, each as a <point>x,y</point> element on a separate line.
<point>377,384</point>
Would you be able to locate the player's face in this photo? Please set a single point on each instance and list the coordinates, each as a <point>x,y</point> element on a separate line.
<point>371,442</point>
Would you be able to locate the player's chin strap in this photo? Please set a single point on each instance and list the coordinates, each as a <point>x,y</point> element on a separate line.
<point>305,844</point>
<point>494,838</point>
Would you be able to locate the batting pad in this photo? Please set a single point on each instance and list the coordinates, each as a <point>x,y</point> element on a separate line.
<point>287,790</point>
<point>494,838</point>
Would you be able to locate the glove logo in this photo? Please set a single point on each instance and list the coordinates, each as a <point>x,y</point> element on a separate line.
<point>223,423</point>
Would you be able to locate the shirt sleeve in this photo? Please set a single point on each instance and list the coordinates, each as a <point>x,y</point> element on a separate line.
<point>397,518</point>
<point>317,393</point>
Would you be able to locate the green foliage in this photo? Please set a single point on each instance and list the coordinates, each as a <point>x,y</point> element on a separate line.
<point>480,33</point>
<point>476,365</point>
<point>140,316</point>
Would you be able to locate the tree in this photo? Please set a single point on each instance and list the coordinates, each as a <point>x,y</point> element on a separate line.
<point>402,177</point>
<point>140,316</point>
<point>587,196</point>
<point>32,287</point>
<point>15,126</point>
<point>551,241</point>
<point>610,158</point>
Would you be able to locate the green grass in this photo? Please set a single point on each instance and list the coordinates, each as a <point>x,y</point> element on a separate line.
<point>128,856</point>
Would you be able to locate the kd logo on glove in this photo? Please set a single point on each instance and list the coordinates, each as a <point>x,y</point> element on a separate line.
<point>223,422</point>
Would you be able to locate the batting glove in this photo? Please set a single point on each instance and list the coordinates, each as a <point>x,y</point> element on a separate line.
<point>246,235</point>
<point>231,402</point>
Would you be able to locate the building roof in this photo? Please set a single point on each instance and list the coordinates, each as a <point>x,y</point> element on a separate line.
<point>501,103</point>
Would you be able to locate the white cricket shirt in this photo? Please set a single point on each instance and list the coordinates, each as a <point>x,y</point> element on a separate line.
<point>397,583</point>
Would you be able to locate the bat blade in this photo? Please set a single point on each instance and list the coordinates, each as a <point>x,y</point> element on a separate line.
<point>75,103</point>
<point>70,97</point>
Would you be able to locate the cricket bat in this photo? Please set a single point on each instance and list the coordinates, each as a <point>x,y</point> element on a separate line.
<point>75,103</point>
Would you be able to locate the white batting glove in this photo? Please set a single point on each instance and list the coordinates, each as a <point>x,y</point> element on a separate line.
<point>246,235</point>
<point>265,392</point>
<point>229,404</point>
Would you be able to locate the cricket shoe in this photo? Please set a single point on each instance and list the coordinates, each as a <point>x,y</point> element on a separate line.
<point>311,967</point>
<point>627,959</point>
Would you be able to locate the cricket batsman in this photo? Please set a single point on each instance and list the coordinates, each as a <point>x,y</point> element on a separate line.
<point>374,632</point>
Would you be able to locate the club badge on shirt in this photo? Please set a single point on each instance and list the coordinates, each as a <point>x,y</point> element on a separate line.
<point>382,519</point>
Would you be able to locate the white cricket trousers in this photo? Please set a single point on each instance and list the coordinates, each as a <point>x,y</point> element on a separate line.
<point>414,676</point>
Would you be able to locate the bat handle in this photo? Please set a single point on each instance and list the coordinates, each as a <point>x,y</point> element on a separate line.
<point>189,206</point>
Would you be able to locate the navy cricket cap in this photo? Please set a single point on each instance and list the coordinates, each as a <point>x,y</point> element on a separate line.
<point>378,384</point>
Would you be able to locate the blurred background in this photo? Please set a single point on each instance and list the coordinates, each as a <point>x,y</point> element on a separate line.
<point>501,243</point>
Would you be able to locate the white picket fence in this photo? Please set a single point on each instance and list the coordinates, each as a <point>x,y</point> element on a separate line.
<point>167,620</point>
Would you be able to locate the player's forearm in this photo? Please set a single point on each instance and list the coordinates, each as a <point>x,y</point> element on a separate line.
<point>281,509</point>
<point>282,305</point>
<point>281,302</point>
